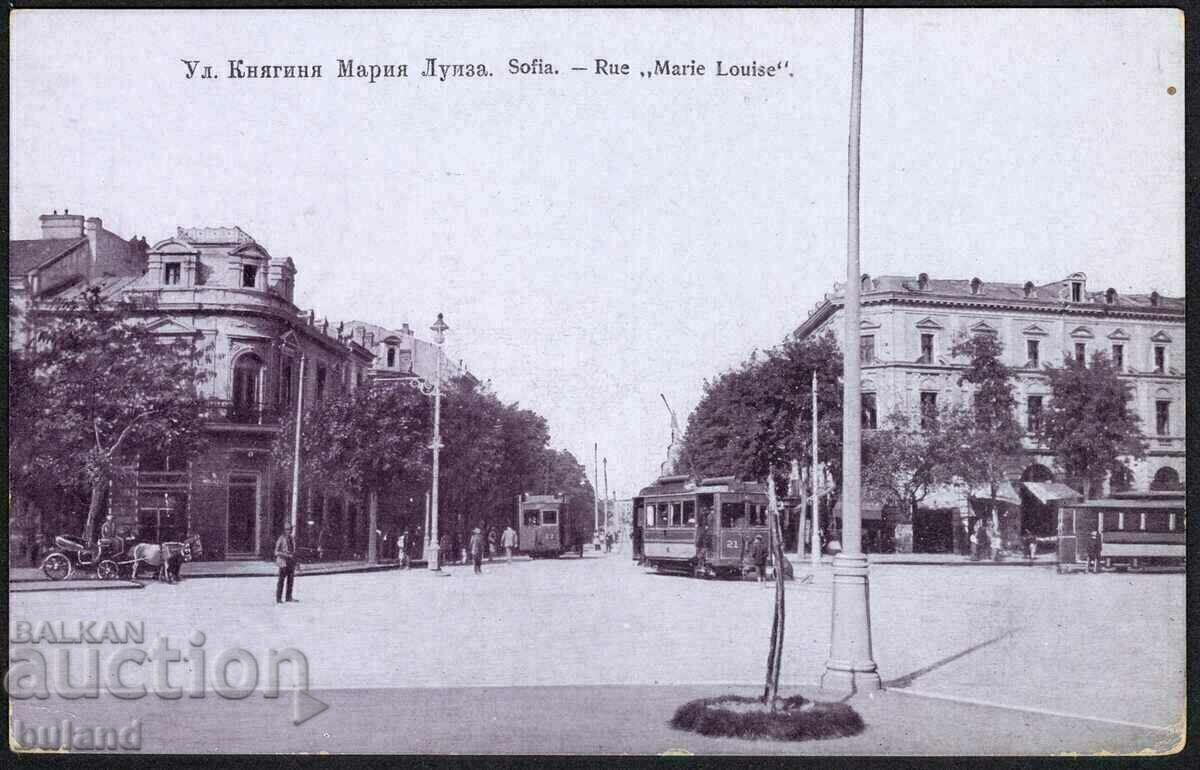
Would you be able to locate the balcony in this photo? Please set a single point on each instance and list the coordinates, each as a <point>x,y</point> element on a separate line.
<point>233,413</point>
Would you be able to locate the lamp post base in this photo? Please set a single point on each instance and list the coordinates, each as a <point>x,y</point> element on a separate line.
<point>850,668</point>
<point>433,557</point>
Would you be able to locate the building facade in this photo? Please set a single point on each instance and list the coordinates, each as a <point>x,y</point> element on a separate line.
<point>220,287</point>
<point>401,354</point>
<point>909,325</point>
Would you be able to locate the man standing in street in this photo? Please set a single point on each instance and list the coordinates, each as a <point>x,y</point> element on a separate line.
<point>1095,544</point>
<point>509,541</point>
<point>285,559</point>
<point>758,554</point>
<point>475,546</point>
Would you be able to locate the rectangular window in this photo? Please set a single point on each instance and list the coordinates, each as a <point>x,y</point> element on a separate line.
<point>531,517</point>
<point>926,349</point>
<point>928,411</point>
<point>249,276</point>
<point>866,348</point>
<point>320,383</point>
<point>676,514</point>
<point>1081,352</point>
<point>550,516</point>
<point>1118,357</point>
<point>391,357</point>
<point>1160,359</point>
<point>285,384</point>
<point>1162,417</point>
<point>649,515</point>
<point>689,513</point>
<point>1033,411</point>
<point>869,412</point>
<point>1031,354</point>
<point>1076,292</point>
<point>758,514</point>
<point>732,514</point>
<point>172,273</point>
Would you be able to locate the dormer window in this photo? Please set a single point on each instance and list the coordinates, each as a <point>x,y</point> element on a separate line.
<point>866,282</point>
<point>1110,296</point>
<point>1028,289</point>
<point>391,357</point>
<point>1077,291</point>
<point>172,273</point>
<point>249,276</point>
<point>976,285</point>
<point>1153,299</point>
<point>923,281</point>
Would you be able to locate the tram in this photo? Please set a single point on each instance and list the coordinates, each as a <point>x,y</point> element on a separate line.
<point>548,526</point>
<point>703,527</point>
<point>1135,531</point>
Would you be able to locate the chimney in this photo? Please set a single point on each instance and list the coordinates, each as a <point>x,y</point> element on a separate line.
<point>61,226</point>
<point>91,228</point>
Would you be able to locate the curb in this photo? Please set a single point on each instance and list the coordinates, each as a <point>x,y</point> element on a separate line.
<point>73,585</point>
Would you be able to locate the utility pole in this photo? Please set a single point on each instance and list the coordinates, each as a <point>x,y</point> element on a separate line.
<point>596,485</point>
<point>851,667</point>
<point>815,544</point>
<point>606,494</point>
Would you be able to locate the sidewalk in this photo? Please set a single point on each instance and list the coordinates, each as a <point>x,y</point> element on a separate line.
<point>940,559</point>
<point>213,569</point>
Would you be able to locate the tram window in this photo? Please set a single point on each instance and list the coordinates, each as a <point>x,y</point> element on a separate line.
<point>676,514</point>
<point>1157,522</point>
<point>731,512</point>
<point>531,518</point>
<point>689,513</point>
<point>758,514</point>
<point>550,517</point>
<point>649,515</point>
<point>664,515</point>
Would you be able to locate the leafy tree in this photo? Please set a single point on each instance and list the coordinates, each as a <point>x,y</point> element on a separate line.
<point>361,443</point>
<point>752,421</point>
<point>902,465</point>
<point>1089,425</point>
<point>984,438</point>
<point>99,386</point>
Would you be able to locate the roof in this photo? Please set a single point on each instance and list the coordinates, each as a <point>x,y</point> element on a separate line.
<point>24,256</point>
<point>1003,291</point>
<point>1049,491</point>
<point>1127,505</point>
<point>683,484</point>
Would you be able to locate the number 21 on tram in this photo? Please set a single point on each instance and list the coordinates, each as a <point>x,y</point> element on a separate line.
<point>704,528</point>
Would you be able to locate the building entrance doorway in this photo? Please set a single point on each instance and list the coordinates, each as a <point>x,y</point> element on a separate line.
<point>933,531</point>
<point>242,524</point>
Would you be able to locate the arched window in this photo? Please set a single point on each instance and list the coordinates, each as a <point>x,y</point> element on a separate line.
<point>247,382</point>
<point>1154,299</point>
<point>923,281</point>
<point>1110,296</point>
<point>1165,477</point>
<point>1036,472</point>
<point>1029,288</point>
<point>976,285</point>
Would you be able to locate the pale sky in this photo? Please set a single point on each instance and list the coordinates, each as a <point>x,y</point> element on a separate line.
<point>597,240</point>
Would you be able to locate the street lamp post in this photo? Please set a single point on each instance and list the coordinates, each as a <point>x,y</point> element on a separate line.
<point>434,554</point>
<point>851,667</point>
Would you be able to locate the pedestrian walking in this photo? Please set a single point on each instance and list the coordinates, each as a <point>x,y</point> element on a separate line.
<point>758,556</point>
<point>402,549</point>
<point>285,559</point>
<point>492,539</point>
<point>475,546</point>
<point>1030,545</point>
<point>447,546</point>
<point>1095,545</point>
<point>35,548</point>
<point>508,540</point>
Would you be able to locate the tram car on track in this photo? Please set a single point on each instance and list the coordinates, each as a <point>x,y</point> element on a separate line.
<point>549,526</point>
<point>1136,531</point>
<point>703,527</point>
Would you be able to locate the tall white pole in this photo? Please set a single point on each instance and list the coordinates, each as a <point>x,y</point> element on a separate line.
<point>606,509</point>
<point>434,556</point>
<point>815,544</point>
<point>296,457</point>
<point>596,485</point>
<point>850,667</point>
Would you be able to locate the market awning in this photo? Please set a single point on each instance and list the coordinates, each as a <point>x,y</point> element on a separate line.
<point>942,498</point>
<point>1049,491</point>
<point>1005,493</point>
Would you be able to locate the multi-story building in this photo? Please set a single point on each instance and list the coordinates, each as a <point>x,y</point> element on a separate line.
<point>909,325</point>
<point>401,354</point>
<point>262,354</point>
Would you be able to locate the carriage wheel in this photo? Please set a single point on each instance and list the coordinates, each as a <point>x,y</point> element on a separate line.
<point>108,570</point>
<point>57,567</point>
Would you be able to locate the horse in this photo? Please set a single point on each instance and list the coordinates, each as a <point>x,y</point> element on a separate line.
<point>167,558</point>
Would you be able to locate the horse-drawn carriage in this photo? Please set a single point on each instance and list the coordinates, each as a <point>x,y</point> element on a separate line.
<point>108,559</point>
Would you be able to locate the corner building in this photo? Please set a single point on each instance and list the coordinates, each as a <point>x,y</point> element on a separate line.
<point>909,324</point>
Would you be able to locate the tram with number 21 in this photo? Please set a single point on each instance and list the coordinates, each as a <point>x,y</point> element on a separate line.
<point>549,526</point>
<point>700,527</point>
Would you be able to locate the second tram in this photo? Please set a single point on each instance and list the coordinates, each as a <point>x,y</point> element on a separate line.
<point>548,526</point>
<point>701,527</point>
<point>1134,532</point>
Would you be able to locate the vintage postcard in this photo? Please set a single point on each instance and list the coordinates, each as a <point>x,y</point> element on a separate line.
<point>778,381</point>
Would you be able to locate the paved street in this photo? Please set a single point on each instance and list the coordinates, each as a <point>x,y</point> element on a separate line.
<point>1052,644</point>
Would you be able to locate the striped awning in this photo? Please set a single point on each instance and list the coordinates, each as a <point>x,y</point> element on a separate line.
<point>1049,491</point>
